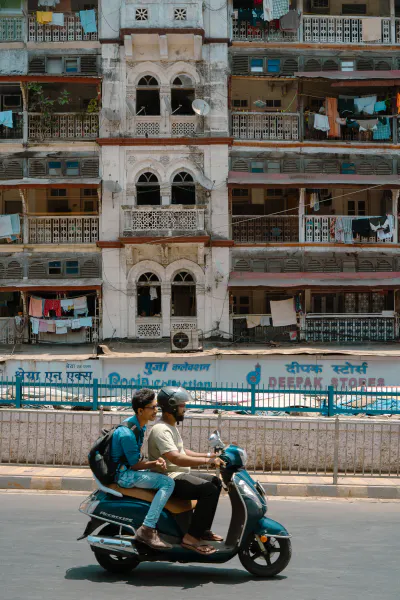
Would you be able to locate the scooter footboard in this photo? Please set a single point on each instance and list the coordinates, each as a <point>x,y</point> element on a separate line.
<point>269,527</point>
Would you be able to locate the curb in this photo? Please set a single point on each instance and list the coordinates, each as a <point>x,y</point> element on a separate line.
<point>300,490</point>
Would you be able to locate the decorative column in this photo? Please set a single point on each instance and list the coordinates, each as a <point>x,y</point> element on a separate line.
<point>302,196</point>
<point>392,21</point>
<point>166,309</point>
<point>200,305</point>
<point>131,297</point>
<point>165,191</point>
<point>300,8</point>
<point>165,110</point>
<point>395,211</point>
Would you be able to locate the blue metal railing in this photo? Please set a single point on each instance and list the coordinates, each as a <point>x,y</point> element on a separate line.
<point>252,399</point>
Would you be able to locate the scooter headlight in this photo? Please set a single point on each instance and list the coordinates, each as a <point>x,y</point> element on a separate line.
<point>249,492</point>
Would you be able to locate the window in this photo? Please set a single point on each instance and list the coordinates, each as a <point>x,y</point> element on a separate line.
<point>319,3</point>
<point>55,267</point>
<point>72,168</point>
<point>11,6</point>
<point>89,192</point>
<point>239,103</point>
<point>149,295</point>
<point>273,65</point>
<point>273,103</point>
<point>148,190</point>
<point>347,65</point>
<point>12,207</point>
<point>180,14</point>
<point>148,97</point>
<point>240,193</point>
<point>241,305</point>
<point>182,95</point>
<point>256,65</point>
<point>142,14</point>
<point>58,193</point>
<point>71,65</point>
<point>72,267</point>
<point>58,201</point>
<point>183,295</point>
<point>55,168</point>
<point>356,208</point>
<point>354,9</point>
<point>54,65</point>
<point>183,189</point>
<point>257,166</point>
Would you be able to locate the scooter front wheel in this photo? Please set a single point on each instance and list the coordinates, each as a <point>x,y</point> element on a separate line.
<point>268,562</point>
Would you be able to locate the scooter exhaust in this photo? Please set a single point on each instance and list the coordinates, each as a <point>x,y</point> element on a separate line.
<point>117,545</point>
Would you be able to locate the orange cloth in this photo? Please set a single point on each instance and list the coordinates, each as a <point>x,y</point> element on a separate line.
<point>44,17</point>
<point>398,103</point>
<point>36,307</point>
<point>331,108</point>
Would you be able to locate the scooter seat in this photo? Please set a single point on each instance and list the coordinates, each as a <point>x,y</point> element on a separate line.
<point>174,505</point>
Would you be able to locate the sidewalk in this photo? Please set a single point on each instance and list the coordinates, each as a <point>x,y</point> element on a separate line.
<point>80,479</point>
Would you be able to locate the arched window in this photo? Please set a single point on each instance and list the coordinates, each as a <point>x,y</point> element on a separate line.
<point>149,295</point>
<point>183,297</point>
<point>182,95</point>
<point>148,190</point>
<point>148,96</point>
<point>183,189</point>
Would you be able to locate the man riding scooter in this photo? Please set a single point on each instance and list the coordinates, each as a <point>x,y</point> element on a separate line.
<point>165,441</point>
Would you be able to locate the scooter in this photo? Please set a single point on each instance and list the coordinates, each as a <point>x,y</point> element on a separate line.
<point>263,545</point>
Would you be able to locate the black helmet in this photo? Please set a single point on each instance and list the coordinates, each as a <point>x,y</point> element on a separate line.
<point>170,397</point>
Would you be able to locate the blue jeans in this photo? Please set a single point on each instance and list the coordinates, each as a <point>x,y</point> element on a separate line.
<point>148,480</point>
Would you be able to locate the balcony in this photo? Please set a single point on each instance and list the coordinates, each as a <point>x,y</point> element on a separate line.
<point>322,230</point>
<point>11,29</point>
<point>332,29</point>
<point>63,230</point>
<point>166,126</point>
<point>139,220</point>
<point>16,132</point>
<point>353,134</point>
<point>265,126</point>
<point>71,32</point>
<point>351,328</point>
<point>244,31</point>
<point>261,334</point>
<point>264,229</point>
<point>67,126</point>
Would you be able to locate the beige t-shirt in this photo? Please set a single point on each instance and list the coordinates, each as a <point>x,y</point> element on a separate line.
<point>166,438</point>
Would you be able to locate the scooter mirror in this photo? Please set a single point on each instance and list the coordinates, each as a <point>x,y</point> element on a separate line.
<point>215,439</point>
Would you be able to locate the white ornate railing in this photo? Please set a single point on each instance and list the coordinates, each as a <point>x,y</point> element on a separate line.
<point>260,229</point>
<point>183,126</point>
<point>71,32</point>
<point>265,126</point>
<point>63,126</point>
<point>148,126</point>
<point>63,230</point>
<point>11,29</point>
<point>333,29</point>
<point>322,229</point>
<point>162,219</point>
<point>350,328</point>
<point>245,31</point>
<point>148,327</point>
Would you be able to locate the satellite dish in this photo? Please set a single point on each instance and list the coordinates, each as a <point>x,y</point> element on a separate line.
<point>112,186</point>
<point>111,115</point>
<point>131,107</point>
<point>201,107</point>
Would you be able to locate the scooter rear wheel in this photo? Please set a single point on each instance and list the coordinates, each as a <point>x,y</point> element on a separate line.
<point>114,563</point>
<point>277,555</point>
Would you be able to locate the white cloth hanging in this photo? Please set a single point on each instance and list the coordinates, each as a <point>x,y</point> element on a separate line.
<point>153,293</point>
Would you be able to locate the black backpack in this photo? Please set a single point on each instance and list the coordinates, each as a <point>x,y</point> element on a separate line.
<point>100,461</point>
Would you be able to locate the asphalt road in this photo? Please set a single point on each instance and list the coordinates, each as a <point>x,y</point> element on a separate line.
<point>341,550</point>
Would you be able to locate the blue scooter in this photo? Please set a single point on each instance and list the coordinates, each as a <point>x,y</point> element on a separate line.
<point>263,545</point>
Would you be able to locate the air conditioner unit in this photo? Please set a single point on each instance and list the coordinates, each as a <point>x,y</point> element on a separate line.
<point>185,341</point>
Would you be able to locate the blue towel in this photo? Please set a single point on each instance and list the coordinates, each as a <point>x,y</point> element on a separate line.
<point>86,322</point>
<point>6,118</point>
<point>379,106</point>
<point>88,21</point>
<point>78,312</point>
<point>16,224</point>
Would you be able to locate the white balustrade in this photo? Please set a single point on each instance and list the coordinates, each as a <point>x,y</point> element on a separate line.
<point>321,229</point>
<point>11,29</point>
<point>333,29</point>
<point>63,230</point>
<point>148,126</point>
<point>63,126</point>
<point>265,126</point>
<point>162,219</point>
<point>71,31</point>
<point>184,125</point>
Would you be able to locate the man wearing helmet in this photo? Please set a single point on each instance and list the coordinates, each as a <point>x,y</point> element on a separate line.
<point>165,441</point>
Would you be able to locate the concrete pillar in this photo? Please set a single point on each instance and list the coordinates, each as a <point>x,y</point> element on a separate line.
<point>131,296</point>
<point>302,195</point>
<point>200,304</point>
<point>395,211</point>
<point>392,21</point>
<point>300,7</point>
<point>165,191</point>
<point>166,309</point>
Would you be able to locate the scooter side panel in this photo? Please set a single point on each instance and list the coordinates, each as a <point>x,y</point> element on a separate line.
<point>268,526</point>
<point>133,512</point>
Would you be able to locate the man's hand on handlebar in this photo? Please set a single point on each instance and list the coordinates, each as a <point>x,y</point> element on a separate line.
<point>216,461</point>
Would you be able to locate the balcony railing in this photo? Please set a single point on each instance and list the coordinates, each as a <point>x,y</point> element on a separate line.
<point>183,125</point>
<point>261,333</point>
<point>13,133</point>
<point>352,134</point>
<point>350,328</point>
<point>63,126</point>
<point>11,331</point>
<point>162,219</point>
<point>260,229</point>
<point>333,29</point>
<point>63,230</point>
<point>71,32</point>
<point>11,29</point>
<point>265,126</point>
<point>268,33</point>
<point>322,230</point>
<point>80,336</point>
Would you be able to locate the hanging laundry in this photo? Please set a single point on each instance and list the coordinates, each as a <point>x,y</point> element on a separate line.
<point>153,293</point>
<point>279,8</point>
<point>244,15</point>
<point>367,124</point>
<point>43,17</point>
<point>258,2</point>
<point>60,330</point>
<point>360,227</point>
<point>398,103</point>
<point>51,326</point>
<point>283,312</point>
<point>383,130</point>
<point>36,307</point>
<point>35,325</point>
<point>88,21</point>
<point>268,10</point>
<point>67,304</point>
<point>332,114</point>
<point>76,324</point>
<point>86,322</point>
<point>321,122</point>
<point>340,121</point>
<point>58,19</point>
<point>5,226</point>
<point>380,106</point>
<point>365,104</point>
<point>6,118</point>
<point>42,326</point>
<point>257,16</point>
<point>343,230</point>
<point>387,230</point>
<point>51,3</point>
<point>265,321</point>
<point>371,29</point>
<point>80,302</point>
<point>377,223</point>
<point>253,321</point>
<point>52,305</point>
<point>290,22</point>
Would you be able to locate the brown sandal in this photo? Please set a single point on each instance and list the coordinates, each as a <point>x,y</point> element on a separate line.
<point>200,549</point>
<point>209,536</point>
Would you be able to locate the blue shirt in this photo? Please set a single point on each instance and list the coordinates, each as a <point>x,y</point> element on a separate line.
<point>124,447</point>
